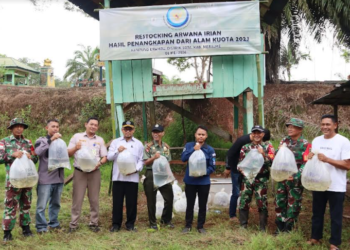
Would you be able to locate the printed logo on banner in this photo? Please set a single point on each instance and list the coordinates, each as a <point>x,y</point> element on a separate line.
<point>177,17</point>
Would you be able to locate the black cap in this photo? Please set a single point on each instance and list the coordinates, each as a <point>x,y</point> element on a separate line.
<point>258,128</point>
<point>157,128</point>
<point>129,124</point>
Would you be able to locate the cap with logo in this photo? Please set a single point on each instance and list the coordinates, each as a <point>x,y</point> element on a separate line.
<point>128,124</point>
<point>157,128</point>
<point>258,128</point>
<point>295,122</point>
<point>17,121</point>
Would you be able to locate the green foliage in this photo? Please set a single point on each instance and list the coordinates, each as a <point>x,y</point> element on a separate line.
<point>96,107</point>
<point>172,80</point>
<point>61,83</point>
<point>346,55</point>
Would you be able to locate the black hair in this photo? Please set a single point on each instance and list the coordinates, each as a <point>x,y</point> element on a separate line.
<point>267,135</point>
<point>201,127</point>
<point>332,117</point>
<point>52,120</point>
<point>92,118</point>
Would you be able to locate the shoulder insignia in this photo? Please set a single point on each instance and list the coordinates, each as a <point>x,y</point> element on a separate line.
<point>166,145</point>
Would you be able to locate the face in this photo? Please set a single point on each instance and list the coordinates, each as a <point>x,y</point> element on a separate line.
<point>52,128</point>
<point>294,131</point>
<point>257,136</point>
<point>156,135</point>
<point>17,130</point>
<point>328,127</point>
<point>91,126</point>
<point>128,132</point>
<point>201,135</point>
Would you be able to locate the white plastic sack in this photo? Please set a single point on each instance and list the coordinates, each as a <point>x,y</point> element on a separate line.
<point>210,199</point>
<point>58,155</point>
<point>251,164</point>
<point>180,205</point>
<point>221,199</point>
<point>315,175</point>
<point>162,174</point>
<point>86,159</point>
<point>23,173</point>
<point>159,209</point>
<point>159,197</point>
<point>176,190</point>
<point>126,162</point>
<point>197,164</point>
<point>284,164</point>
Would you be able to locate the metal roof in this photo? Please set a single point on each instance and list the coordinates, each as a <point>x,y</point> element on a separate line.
<point>338,96</point>
<point>11,63</point>
<point>269,9</point>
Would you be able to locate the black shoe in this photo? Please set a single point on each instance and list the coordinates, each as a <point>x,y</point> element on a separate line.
<point>186,230</point>
<point>201,231</point>
<point>263,220</point>
<point>168,225</point>
<point>114,229</point>
<point>26,231</point>
<point>280,227</point>
<point>94,228</point>
<point>7,236</point>
<point>131,229</point>
<point>154,227</point>
<point>288,227</point>
<point>243,218</point>
<point>72,230</point>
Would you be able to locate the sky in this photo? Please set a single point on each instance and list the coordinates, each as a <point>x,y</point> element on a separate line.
<point>52,32</point>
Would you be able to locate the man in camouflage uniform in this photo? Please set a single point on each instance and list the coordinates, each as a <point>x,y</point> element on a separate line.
<point>153,151</point>
<point>12,147</point>
<point>259,184</point>
<point>289,192</point>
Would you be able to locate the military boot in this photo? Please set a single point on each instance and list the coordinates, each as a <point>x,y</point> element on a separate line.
<point>7,235</point>
<point>26,231</point>
<point>280,226</point>
<point>289,226</point>
<point>263,220</point>
<point>243,217</point>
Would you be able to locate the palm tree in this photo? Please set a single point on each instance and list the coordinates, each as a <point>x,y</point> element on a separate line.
<point>83,65</point>
<point>288,60</point>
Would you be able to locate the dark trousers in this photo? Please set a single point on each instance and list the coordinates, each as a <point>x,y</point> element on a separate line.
<point>319,202</point>
<point>128,190</point>
<point>203,193</point>
<point>151,195</point>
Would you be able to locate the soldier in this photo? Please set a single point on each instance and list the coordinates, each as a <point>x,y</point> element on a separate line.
<point>152,152</point>
<point>13,147</point>
<point>259,184</point>
<point>289,192</point>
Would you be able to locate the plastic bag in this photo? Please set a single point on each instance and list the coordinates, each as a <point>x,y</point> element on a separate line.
<point>180,205</point>
<point>159,197</point>
<point>315,175</point>
<point>23,173</point>
<point>126,162</point>
<point>162,174</point>
<point>221,199</point>
<point>159,209</point>
<point>251,164</point>
<point>177,191</point>
<point>284,164</point>
<point>58,155</point>
<point>197,164</point>
<point>86,159</point>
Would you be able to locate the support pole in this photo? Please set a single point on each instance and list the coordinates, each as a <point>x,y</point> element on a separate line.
<point>236,117</point>
<point>144,120</point>
<point>260,101</point>
<point>248,115</point>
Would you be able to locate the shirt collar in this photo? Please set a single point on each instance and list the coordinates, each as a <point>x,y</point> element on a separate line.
<point>85,135</point>
<point>12,137</point>
<point>155,143</point>
<point>299,139</point>
<point>132,139</point>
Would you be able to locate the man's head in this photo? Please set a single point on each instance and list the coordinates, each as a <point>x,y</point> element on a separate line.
<point>328,125</point>
<point>295,127</point>
<point>128,129</point>
<point>258,133</point>
<point>91,125</point>
<point>52,127</point>
<point>201,134</point>
<point>17,126</point>
<point>157,132</point>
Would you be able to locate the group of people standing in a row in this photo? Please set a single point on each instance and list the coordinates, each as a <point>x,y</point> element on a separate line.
<point>334,151</point>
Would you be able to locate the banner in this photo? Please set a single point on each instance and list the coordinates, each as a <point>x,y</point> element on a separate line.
<point>203,29</point>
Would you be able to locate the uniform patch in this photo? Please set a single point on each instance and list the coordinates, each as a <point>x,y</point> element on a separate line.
<point>214,155</point>
<point>184,150</point>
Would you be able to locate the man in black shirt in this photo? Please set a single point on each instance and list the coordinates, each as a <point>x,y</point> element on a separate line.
<point>232,158</point>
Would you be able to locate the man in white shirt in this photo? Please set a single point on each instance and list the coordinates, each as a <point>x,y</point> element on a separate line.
<point>125,186</point>
<point>334,150</point>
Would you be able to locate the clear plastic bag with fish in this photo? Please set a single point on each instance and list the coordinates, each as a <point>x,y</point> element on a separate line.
<point>221,199</point>
<point>23,173</point>
<point>197,164</point>
<point>58,155</point>
<point>284,164</point>
<point>251,164</point>
<point>162,174</point>
<point>126,162</point>
<point>86,159</point>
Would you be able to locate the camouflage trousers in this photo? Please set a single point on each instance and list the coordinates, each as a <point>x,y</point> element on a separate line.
<point>259,188</point>
<point>15,197</point>
<point>288,200</point>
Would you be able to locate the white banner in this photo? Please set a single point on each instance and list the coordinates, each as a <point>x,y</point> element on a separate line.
<point>187,30</point>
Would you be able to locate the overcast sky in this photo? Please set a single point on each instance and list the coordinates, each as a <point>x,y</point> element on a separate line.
<point>53,32</point>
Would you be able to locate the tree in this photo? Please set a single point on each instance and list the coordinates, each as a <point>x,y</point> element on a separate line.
<point>83,65</point>
<point>172,80</point>
<point>288,60</point>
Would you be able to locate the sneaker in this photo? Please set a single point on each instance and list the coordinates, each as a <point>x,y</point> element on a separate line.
<point>26,231</point>
<point>154,227</point>
<point>168,225</point>
<point>186,230</point>
<point>114,229</point>
<point>201,231</point>
<point>7,236</point>
<point>131,229</point>
<point>234,220</point>
<point>94,228</point>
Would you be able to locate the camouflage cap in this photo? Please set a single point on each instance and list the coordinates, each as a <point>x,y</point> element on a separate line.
<point>16,121</point>
<point>295,122</point>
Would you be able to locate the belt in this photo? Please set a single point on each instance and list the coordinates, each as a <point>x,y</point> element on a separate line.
<point>83,171</point>
<point>148,168</point>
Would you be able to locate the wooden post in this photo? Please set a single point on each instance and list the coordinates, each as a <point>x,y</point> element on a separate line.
<point>248,115</point>
<point>236,118</point>
<point>152,113</point>
<point>260,102</point>
<point>144,120</point>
